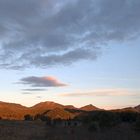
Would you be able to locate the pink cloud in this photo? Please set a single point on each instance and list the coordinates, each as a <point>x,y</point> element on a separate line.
<point>104,92</point>
<point>44,81</point>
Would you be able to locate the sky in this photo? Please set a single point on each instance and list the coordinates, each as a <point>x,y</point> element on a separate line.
<point>71,52</point>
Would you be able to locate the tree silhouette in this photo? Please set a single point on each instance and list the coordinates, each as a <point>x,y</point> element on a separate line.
<point>28,117</point>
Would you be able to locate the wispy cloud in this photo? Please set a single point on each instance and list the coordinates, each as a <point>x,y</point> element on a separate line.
<point>39,97</point>
<point>104,92</point>
<point>44,33</point>
<point>27,93</point>
<point>45,81</point>
<point>35,89</point>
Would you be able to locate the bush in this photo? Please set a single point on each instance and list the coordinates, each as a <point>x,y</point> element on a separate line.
<point>137,124</point>
<point>37,117</point>
<point>94,126</point>
<point>108,119</point>
<point>103,118</point>
<point>129,117</point>
<point>28,117</point>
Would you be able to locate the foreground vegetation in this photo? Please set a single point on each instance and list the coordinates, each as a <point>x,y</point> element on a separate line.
<point>26,130</point>
<point>97,125</point>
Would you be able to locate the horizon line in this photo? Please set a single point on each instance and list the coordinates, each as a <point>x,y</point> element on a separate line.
<point>68,105</point>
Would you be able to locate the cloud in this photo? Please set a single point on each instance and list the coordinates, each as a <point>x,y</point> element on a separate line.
<point>42,33</point>
<point>104,92</point>
<point>27,93</point>
<point>39,97</point>
<point>46,81</point>
<point>64,59</point>
<point>34,89</point>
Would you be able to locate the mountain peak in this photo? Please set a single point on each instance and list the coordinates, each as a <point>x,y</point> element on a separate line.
<point>137,108</point>
<point>70,107</point>
<point>47,104</point>
<point>89,107</point>
<point>43,106</point>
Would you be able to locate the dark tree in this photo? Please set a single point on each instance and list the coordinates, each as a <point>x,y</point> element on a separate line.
<point>137,124</point>
<point>28,117</point>
<point>128,116</point>
<point>37,117</point>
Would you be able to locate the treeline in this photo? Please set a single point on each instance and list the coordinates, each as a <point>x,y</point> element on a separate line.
<point>111,118</point>
<point>105,119</point>
<point>40,117</point>
<point>98,119</point>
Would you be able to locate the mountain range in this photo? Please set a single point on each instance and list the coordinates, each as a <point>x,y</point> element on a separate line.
<point>50,109</point>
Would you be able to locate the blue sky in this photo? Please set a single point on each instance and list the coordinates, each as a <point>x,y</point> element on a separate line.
<point>71,52</point>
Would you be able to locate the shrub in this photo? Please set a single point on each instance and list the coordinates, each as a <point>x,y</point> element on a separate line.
<point>128,116</point>
<point>103,118</point>
<point>37,117</point>
<point>137,124</point>
<point>108,119</point>
<point>94,126</point>
<point>28,117</point>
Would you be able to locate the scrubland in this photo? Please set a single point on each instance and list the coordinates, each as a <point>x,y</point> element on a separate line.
<point>32,130</point>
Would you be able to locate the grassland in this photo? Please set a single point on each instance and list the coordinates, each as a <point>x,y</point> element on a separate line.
<point>31,130</point>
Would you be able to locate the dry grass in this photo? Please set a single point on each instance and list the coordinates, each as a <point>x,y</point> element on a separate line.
<point>22,130</point>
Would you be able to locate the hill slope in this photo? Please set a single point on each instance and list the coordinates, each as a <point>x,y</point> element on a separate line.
<point>12,110</point>
<point>43,106</point>
<point>52,109</point>
<point>137,108</point>
<point>59,113</point>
